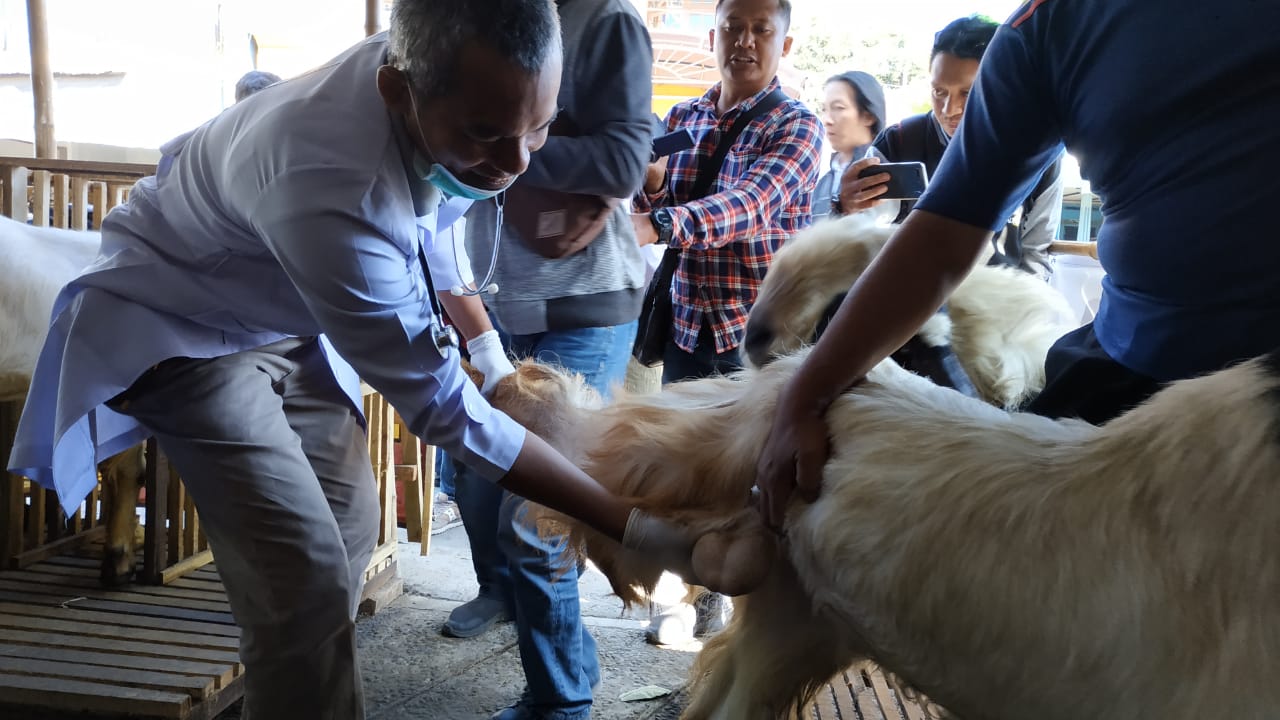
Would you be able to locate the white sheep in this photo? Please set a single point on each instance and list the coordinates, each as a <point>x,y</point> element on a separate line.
<point>37,262</point>
<point>1002,321</point>
<point>1005,565</point>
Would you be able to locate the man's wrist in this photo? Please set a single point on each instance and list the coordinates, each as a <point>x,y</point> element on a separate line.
<point>655,190</point>
<point>662,542</point>
<point>663,224</point>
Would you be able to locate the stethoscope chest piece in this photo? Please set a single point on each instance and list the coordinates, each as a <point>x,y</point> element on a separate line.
<point>443,337</point>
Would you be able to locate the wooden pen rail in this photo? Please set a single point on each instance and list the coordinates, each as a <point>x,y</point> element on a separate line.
<point>73,194</point>
<point>1074,247</point>
<point>76,194</point>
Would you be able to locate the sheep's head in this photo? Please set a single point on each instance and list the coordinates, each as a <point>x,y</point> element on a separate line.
<point>805,283</point>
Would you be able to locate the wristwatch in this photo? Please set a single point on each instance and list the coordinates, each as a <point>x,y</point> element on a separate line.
<point>662,222</point>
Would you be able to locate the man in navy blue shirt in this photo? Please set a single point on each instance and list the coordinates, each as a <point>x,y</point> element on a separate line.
<point>1171,109</point>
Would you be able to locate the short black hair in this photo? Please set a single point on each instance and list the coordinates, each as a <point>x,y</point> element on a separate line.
<point>427,36</point>
<point>966,38</point>
<point>253,81</point>
<point>784,8</point>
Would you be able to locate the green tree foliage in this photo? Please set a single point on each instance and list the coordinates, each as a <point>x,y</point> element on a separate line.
<point>823,48</point>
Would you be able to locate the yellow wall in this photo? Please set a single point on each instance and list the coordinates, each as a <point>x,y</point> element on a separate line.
<point>666,94</point>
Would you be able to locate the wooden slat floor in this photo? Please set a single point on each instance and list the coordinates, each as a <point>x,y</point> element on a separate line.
<point>66,643</point>
<point>861,693</point>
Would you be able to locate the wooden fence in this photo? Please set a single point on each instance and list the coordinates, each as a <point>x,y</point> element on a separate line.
<point>77,195</point>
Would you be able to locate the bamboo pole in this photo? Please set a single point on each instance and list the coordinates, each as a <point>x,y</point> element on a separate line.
<point>371,17</point>
<point>41,79</point>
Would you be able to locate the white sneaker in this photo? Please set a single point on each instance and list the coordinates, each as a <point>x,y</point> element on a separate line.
<point>712,611</point>
<point>671,625</point>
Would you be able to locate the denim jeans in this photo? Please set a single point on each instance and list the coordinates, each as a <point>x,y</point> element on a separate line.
<point>444,473</point>
<point>513,563</point>
<point>703,362</point>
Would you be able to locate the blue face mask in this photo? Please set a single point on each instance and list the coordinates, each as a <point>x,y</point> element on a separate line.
<point>448,183</point>
<point>440,176</point>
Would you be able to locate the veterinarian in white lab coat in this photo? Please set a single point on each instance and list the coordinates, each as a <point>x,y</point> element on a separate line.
<point>271,262</point>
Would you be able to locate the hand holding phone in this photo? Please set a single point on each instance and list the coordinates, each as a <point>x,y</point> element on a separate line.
<point>907,180</point>
<point>670,144</point>
<point>859,191</point>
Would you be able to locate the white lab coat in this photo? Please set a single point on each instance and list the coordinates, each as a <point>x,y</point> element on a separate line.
<point>293,213</point>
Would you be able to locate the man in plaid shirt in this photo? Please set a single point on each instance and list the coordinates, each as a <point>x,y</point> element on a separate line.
<point>759,199</point>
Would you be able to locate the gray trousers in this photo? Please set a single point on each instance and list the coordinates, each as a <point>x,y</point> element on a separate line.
<point>278,467</point>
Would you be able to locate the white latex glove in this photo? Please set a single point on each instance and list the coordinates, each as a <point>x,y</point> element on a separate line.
<point>488,357</point>
<point>667,544</point>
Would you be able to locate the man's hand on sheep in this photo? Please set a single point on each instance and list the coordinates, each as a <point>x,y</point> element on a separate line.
<point>736,560</point>
<point>489,358</point>
<point>732,561</point>
<point>794,455</point>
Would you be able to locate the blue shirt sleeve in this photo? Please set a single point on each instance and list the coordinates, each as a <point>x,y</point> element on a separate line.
<point>369,297</point>
<point>1008,137</point>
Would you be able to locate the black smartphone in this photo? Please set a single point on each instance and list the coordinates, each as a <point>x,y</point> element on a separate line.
<point>671,143</point>
<point>907,180</point>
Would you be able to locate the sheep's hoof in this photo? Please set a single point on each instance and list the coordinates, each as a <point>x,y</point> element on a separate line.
<point>734,563</point>
<point>117,568</point>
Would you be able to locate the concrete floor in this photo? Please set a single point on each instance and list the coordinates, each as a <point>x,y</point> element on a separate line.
<point>412,672</point>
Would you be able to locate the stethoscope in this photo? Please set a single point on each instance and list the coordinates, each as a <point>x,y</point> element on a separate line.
<point>488,286</point>
<point>444,336</point>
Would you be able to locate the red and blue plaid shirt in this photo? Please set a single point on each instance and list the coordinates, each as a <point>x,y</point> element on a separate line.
<point>760,199</point>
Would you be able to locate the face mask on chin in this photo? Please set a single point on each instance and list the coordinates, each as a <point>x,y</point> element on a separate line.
<point>448,183</point>
<point>440,176</point>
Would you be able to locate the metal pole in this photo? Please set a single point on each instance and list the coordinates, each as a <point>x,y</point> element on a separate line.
<point>41,79</point>
<point>371,17</point>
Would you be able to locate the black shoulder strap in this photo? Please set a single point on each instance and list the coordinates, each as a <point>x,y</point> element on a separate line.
<point>911,138</point>
<point>1047,179</point>
<point>709,167</point>
<point>907,144</point>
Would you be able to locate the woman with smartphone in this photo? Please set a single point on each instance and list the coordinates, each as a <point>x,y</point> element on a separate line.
<point>853,115</point>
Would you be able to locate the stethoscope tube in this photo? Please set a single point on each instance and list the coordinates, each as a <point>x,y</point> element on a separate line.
<point>488,286</point>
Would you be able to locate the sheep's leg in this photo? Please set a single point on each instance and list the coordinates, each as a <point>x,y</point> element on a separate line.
<point>121,476</point>
<point>714,672</point>
<point>13,386</point>
<point>773,656</point>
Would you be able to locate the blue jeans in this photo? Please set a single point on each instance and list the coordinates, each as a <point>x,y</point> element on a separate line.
<point>444,473</point>
<point>703,362</point>
<point>512,562</point>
